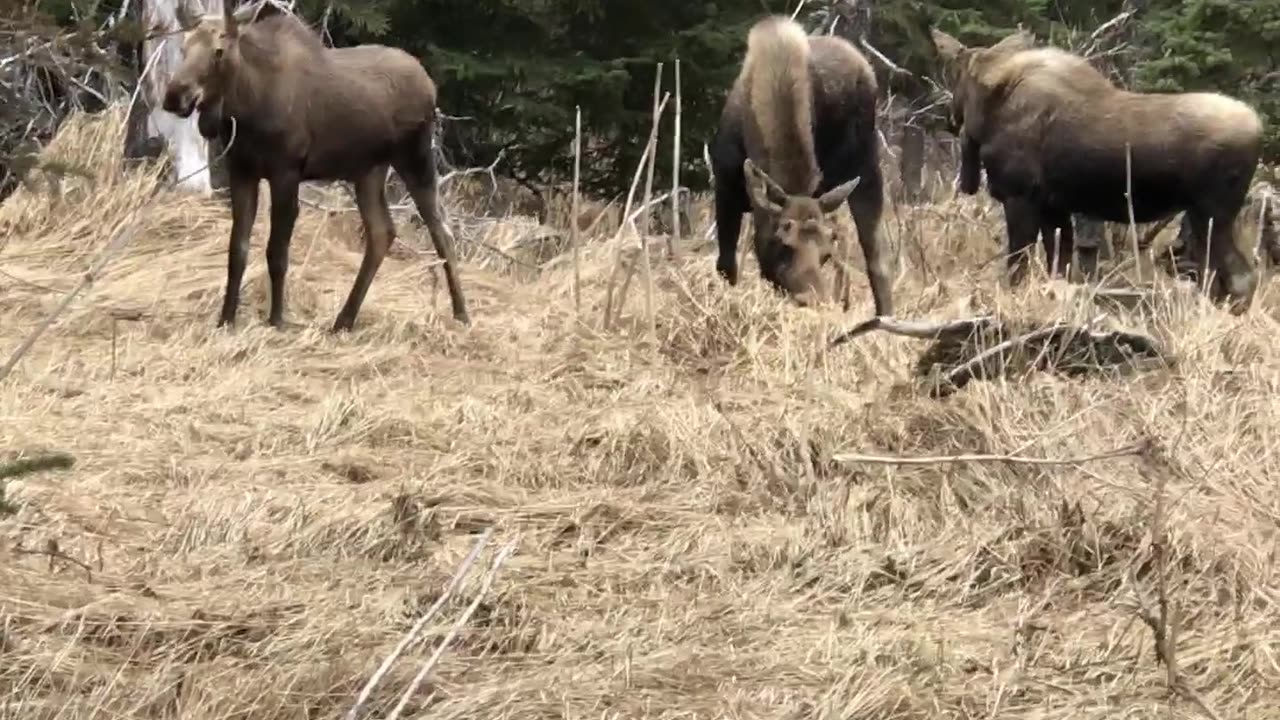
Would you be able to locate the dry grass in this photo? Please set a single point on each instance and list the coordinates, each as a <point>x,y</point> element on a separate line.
<point>256,517</point>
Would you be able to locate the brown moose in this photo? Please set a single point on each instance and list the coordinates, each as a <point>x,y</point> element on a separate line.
<point>1051,131</point>
<point>796,140</point>
<point>293,110</point>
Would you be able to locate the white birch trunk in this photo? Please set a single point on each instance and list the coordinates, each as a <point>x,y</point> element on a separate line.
<point>190,151</point>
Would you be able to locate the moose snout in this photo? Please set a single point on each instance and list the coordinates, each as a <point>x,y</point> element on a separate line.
<point>806,298</point>
<point>180,99</point>
<point>810,294</point>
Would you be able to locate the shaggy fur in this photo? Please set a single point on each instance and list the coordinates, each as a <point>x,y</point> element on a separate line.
<point>293,110</point>
<point>1052,131</point>
<point>799,122</point>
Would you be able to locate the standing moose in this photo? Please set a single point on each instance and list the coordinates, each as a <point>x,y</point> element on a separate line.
<point>799,122</point>
<point>291,110</point>
<point>1057,138</point>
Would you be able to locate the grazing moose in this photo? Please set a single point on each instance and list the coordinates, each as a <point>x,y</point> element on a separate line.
<point>293,110</point>
<point>1056,137</point>
<point>797,139</point>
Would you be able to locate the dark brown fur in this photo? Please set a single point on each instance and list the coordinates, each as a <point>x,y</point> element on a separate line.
<point>294,110</point>
<point>1051,132</point>
<point>797,139</point>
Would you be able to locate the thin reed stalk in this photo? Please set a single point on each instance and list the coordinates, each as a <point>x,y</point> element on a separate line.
<point>575,233</point>
<point>607,318</point>
<point>674,238</point>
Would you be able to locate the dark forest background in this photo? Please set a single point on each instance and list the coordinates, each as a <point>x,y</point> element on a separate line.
<point>511,72</point>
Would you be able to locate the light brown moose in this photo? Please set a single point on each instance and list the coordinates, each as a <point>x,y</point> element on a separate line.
<point>293,110</point>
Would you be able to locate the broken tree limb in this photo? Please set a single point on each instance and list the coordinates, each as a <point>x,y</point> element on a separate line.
<point>986,347</point>
<point>911,329</point>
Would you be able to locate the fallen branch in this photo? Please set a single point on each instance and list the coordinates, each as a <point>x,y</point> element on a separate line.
<point>27,466</point>
<point>987,346</point>
<point>414,631</point>
<point>498,559</point>
<point>969,369</point>
<point>911,329</point>
<point>1127,451</point>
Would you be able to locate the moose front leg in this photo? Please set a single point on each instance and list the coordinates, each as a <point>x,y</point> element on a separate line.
<point>284,213</point>
<point>244,206</point>
<point>970,180</point>
<point>731,205</point>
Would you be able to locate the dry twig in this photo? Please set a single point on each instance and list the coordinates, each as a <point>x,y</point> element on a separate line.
<point>1126,451</point>
<point>674,238</point>
<point>500,558</point>
<point>650,148</point>
<point>646,219</point>
<point>575,233</point>
<point>414,631</point>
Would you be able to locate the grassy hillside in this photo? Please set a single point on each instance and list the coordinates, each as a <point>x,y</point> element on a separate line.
<point>256,518</point>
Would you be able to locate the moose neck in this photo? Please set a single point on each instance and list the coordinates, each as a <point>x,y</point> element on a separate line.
<point>271,62</point>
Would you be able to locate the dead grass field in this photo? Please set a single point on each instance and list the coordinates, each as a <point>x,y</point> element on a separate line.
<point>255,518</point>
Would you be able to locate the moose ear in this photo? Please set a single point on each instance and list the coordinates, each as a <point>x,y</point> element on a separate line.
<point>253,12</point>
<point>764,191</point>
<point>948,48</point>
<point>832,199</point>
<point>1019,40</point>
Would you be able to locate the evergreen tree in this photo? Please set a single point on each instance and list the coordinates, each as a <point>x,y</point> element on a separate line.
<point>512,71</point>
<point>1227,46</point>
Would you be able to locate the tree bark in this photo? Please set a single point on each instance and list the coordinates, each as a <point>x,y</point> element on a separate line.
<point>138,143</point>
<point>911,163</point>
<point>149,126</point>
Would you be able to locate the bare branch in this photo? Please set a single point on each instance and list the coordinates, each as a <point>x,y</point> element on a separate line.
<point>913,329</point>
<point>409,637</point>
<point>1126,451</point>
<point>501,557</point>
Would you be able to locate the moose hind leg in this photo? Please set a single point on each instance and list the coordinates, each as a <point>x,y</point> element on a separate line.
<point>1022,224</point>
<point>244,206</point>
<point>1090,243</point>
<point>1235,280</point>
<point>284,213</point>
<point>866,204</point>
<point>379,230</point>
<point>418,170</point>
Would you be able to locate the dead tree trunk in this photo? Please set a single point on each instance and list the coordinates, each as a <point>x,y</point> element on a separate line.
<point>138,143</point>
<point>149,126</point>
<point>911,163</point>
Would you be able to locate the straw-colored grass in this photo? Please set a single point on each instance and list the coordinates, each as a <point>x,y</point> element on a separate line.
<point>256,517</point>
